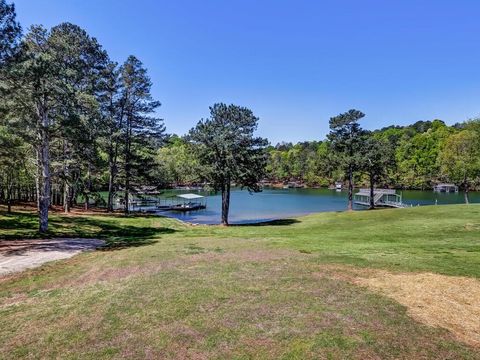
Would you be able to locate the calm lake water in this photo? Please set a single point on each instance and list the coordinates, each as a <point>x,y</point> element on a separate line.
<point>273,204</point>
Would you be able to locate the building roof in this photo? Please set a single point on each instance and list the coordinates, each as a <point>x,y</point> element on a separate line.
<point>190,196</point>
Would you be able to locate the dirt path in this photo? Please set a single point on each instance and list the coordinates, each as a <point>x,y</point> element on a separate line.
<point>18,255</point>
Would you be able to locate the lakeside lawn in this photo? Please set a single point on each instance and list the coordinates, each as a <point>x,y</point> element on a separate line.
<point>288,289</point>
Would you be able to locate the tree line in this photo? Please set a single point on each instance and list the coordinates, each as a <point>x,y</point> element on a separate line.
<point>416,156</point>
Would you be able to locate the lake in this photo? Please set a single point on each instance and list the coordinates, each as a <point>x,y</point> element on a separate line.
<point>273,204</point>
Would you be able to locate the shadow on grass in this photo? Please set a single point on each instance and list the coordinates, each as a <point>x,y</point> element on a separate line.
<point>17,221</point>
<point>116,234</point>
<point>279,222</point>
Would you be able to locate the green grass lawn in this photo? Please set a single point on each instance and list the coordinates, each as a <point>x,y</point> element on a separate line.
<point>164,289</point>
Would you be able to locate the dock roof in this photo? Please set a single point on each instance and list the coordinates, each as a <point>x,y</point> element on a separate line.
<point>377,191</point>
<point>190,196</point>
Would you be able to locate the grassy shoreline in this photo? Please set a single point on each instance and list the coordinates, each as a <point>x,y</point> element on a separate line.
<point>443,239</point>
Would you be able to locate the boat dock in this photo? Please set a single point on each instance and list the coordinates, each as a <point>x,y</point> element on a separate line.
<point>446,188</point>
<point>191,202</point>
<point>180,202</point>
<point>382,198</point>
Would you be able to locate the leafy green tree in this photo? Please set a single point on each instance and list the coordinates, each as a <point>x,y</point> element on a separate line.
<point>277,165</point>
<point>346,138</point>
<point>377,158</point>
<point>417,156</point>
<point>229,151</point>
<point>309,162</point>
<point>179,162</point>
<point>460,158</point>
<point>472,125</point>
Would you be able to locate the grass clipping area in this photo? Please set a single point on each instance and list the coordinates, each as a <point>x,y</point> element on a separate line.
<point>449,302</point>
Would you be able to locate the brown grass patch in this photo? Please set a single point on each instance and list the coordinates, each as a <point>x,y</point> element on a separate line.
<point>449,302</point>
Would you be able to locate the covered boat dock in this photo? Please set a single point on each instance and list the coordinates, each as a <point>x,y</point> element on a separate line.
<point>185,202</point>
<point>446,188</point>
<point>382,198</point>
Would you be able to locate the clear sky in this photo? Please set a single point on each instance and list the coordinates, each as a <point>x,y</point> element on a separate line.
<point>295,63</point>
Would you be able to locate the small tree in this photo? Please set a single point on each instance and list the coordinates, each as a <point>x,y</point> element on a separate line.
<point>460,158</point>
<point>377,159</point>
<point>228,150</point>
<point>346,137</point>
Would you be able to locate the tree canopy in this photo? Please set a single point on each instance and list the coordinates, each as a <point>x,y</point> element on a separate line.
<point>460,158</point>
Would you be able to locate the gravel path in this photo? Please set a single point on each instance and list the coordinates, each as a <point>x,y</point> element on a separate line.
<point>18,255</point>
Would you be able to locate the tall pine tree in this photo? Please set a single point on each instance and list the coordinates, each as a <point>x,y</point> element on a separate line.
<point>140,131</point>
<point>229,151</point>
<point>346,138</point>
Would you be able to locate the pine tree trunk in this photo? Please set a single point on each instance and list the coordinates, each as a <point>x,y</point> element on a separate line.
<point>127,195</point>
<point>44,183</point>
<point>66,186</point>
<point>111,180</point>
<point>73,193</point>
<point>127,181</point>
<point>372,193</point>
<point>43,170</point>
<point>225,203</point>
<point>127,163</point>
<point>9,201</point>
<point>66,197</point>
<point>350,190</point>
<point>38,175</point>
<point>88,189</point>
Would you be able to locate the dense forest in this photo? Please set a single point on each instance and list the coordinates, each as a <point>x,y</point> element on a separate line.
<point>419,156</point>
<point>74,122</point>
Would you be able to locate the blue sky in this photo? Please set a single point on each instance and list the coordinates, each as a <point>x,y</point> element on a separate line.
<point>294,63</point>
